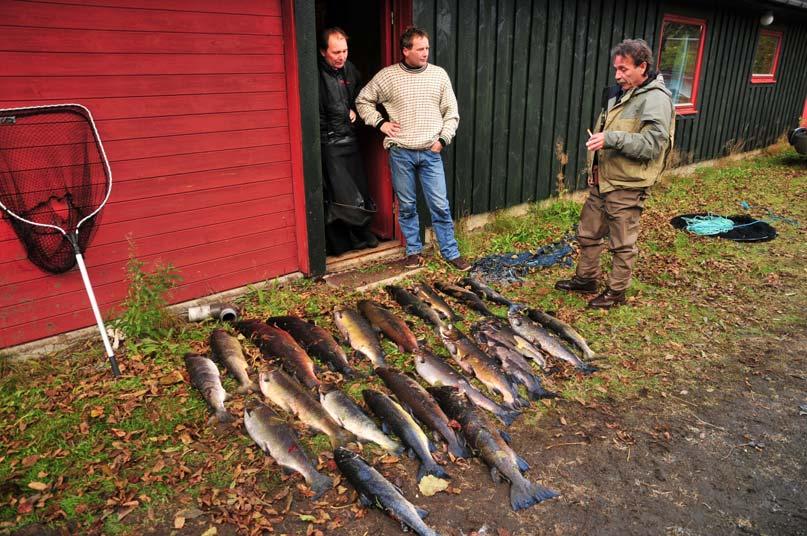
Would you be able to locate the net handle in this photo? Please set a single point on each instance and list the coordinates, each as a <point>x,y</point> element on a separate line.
<point>95,311</point>
<point>97,138</point>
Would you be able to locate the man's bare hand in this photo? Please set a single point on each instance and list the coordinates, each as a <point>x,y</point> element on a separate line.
<point>352,116</point>
<point>436,147</point>
<point>391,129</point>
<point>596,142</point>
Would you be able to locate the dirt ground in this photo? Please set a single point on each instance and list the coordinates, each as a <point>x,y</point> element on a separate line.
<point>727,458</point>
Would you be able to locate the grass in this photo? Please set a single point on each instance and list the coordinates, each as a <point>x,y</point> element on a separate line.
<point>98,445</point>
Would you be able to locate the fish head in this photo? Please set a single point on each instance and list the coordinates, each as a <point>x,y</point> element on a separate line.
<point>341,455</point>
<point>325,388</point>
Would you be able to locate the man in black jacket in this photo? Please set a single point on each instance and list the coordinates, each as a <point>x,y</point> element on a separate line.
<point>348,207</point>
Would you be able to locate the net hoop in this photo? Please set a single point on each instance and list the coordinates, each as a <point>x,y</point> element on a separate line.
<point>103,158</point>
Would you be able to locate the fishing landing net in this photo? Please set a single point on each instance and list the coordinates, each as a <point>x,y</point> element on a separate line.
<point>54,180</point>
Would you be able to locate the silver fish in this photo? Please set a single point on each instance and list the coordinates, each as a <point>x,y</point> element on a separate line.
<point>277,439</point>
<point>227,351</point>
<point>375,490</point>
<point>360,335</point>
<point>438,373</point>
<point>564,330</point>
<point>287,393</point>
<point>351,417</point>
<point>538,335</point>
<point>206,378</point>
<point>433,300</point>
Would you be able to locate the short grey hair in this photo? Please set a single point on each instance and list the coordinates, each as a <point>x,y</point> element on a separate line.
<point>636,49</point>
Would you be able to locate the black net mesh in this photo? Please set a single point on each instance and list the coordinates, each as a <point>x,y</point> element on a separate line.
<point>52,171</point>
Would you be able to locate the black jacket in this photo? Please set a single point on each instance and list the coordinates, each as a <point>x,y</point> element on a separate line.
<point>337,96</point>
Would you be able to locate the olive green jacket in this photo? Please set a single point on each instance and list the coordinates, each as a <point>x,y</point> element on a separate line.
<point>639,134</point>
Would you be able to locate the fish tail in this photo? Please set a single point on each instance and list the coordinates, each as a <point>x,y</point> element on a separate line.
<point>587,368</point>
<point>320,484</point>
<point>457,447</point>
<point>431,468</point>
<point>524,494</point>
<point>224,416</point>
<point>538,392</point>
<point>522,402</point>
<point>507,417</point>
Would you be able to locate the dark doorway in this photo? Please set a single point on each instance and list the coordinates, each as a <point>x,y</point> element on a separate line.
<point>368,50</point>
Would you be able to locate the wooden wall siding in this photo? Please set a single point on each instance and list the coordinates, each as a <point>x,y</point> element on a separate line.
<point>190,101</point>
<point>529,75</point>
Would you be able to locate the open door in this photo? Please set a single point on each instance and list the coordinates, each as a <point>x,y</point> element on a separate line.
<point>373,28</point>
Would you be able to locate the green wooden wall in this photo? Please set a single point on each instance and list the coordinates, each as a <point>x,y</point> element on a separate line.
<point>528,75</point>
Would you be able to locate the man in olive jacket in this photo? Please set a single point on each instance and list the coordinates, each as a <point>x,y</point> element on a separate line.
<point>627,153</point>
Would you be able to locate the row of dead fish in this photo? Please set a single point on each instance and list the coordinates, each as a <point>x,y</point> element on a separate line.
<point>444,407</point>
<point>444,410</point>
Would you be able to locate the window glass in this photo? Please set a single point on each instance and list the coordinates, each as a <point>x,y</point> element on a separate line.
<point>766,54</point>
<point>681,45</point>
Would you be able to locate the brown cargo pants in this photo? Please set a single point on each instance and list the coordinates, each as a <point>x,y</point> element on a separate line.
<point>615,214</point>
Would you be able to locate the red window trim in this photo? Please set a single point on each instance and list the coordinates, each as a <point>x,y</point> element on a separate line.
<point>687,108</point>
<point>804,114</point>
<point>769,78</point>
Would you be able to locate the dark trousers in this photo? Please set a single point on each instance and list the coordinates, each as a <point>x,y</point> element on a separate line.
<point>348,207</point>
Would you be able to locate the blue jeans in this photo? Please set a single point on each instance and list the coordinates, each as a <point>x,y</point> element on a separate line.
<point>406,165</point>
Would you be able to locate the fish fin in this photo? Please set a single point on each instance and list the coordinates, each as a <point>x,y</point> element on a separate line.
<point>523,402</point>
<point>224,416</point>
<point>458,448</point>
<point>508,417</point>
<point>244,389</point>
<point>409,453</point>
<point>320,484</point>
<point>505,436</point>
<point>431,469</point>
<point>287,470</point>
<point>495,475</point>
<point>421,512</point>
<point>365,501</point>
<point>385,427</point>
<point>525,494</point>
<point>587,368</point>
<point>523,466</point>
<point>432,447</point>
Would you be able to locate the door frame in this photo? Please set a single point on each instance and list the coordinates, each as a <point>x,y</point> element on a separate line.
<point>300,47</point>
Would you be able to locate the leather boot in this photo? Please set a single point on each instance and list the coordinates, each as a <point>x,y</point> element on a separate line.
<point>607,299</point>
<point>575,284</point>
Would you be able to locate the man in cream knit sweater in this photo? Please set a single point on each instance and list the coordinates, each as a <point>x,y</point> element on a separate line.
<point>423,118</point>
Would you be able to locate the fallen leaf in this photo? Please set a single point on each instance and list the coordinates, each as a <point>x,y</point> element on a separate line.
<point>173,377</point>
<point>179,522</point>
<point>38,486</point>
<point>211,531</point>
<point>28,461</point>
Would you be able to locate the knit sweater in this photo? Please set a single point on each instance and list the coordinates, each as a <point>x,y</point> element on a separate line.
<point>421,101</point>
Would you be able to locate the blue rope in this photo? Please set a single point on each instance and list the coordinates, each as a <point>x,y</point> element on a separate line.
<point>711,225</point>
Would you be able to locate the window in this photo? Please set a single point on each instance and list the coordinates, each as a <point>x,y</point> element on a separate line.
<point>679,59</point>
<point>766,57</point>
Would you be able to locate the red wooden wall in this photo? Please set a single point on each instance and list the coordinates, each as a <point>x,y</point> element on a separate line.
<point>190,99</point>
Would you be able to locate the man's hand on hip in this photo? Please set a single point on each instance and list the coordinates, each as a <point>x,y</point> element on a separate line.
<point>391,129</point>
<point>596,142</point>
<point>436,147</point>
<point>352,116</point>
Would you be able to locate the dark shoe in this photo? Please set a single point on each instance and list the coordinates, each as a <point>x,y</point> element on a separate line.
<point>415,260</point>
<point>607,299</point>
<point>575,284</point>
<point>460,264</point>
<point>372,241</point>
